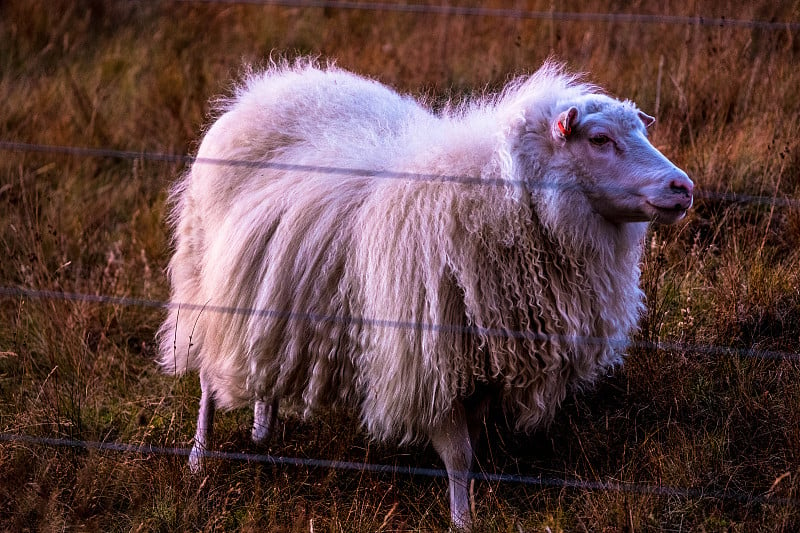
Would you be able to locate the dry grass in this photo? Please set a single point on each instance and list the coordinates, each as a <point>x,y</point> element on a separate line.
<point>139,76</point>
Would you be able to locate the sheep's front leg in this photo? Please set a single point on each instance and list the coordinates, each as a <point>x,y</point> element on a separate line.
<point>264,417</point>
<point>205,421</point>
<point>452,441</point>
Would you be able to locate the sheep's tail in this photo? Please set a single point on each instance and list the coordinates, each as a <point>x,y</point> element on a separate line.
<point>179,336</point>
<point>178,340</point>
<point>167,339</point>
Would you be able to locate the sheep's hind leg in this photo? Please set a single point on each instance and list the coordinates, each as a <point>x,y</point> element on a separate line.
<point>264,417</point>
<point>452,441</point>
<point>205,421</point>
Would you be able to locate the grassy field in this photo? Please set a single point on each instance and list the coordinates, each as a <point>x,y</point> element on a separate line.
<point>717,428</point>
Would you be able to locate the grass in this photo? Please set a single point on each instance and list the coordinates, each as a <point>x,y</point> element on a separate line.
<point>140,76</point>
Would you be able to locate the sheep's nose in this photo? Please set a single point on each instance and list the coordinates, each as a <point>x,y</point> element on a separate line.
<point>681,184</point>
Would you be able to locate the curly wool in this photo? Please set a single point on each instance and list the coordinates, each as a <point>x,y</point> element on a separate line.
<point>443,262</point>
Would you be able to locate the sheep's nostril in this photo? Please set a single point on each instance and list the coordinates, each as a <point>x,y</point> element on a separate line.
<point>682,185</point>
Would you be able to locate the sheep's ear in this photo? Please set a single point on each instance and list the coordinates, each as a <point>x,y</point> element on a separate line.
<point>646,119</point>
<point>563,125</point>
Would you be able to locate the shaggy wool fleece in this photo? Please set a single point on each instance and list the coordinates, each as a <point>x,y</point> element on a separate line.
<point>336,242</point>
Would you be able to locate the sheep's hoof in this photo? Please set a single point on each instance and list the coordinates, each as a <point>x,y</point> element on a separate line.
<point>461,527</point>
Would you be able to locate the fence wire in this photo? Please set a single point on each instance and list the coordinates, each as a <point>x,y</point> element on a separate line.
<point>273,460</point>
<point>519,14</point>
<point>724,197</point>
<point>619,343</point>
<point>386,469</point>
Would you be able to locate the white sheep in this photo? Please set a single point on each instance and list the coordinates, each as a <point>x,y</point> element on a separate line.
<point>413,265</point>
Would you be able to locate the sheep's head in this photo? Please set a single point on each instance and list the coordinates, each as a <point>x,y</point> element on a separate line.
<point>603,144</point>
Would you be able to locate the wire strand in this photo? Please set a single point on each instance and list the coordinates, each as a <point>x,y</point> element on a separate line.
<point>276,460</point>
<point>519,14</point>
<point>91,152</point>
<point>273,460</point>
<point>618,343</point>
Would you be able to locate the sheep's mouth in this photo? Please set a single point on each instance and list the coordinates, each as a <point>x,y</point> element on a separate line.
<point>669,214</point>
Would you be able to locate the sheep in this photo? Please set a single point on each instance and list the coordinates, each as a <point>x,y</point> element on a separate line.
<point>416,266</point>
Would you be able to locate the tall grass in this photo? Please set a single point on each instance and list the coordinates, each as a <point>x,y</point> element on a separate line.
<point>140,76</point>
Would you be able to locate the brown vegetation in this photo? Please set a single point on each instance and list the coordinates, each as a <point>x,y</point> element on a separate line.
<point>139,77</point>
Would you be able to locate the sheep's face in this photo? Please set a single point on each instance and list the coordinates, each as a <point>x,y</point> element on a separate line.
<point>603,142</point>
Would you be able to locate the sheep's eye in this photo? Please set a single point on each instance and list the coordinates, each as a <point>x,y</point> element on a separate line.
<point>599,140</point>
